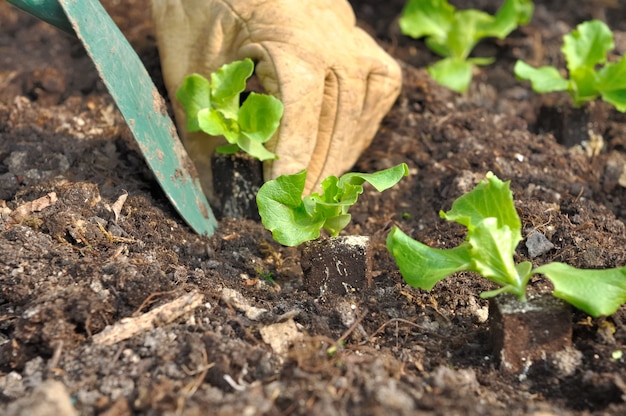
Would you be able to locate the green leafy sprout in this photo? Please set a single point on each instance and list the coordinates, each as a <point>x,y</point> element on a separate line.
<point>293,219</point>
<point>493,232</point>
<point>453,34</point>
<point>214,108</point>
<point>590,75</point>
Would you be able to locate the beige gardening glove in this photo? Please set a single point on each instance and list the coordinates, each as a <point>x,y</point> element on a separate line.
<point>335,82</point>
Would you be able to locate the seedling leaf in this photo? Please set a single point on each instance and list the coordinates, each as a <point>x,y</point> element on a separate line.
<point>214,123</point>
<point>597,292</point>
<point>293,219</point>
<point>195,95</point>
<point>587,45</point>
<point>213,107</point>
<point>492,250</point>
<point>422,266</point>
<point>489,199</point>
<point>612,83</point>
<point>426,18</point>
<point>452,73</point>
<point>544,79</point>
<point>228,82</point>
<point>259,116</point>
<point>283,212</point>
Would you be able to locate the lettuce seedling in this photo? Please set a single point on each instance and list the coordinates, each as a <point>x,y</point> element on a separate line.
<point>293,219</point>
<point>453,34</point>
<point>590,75</point>
<point>493,232</point>
<point>214,108</point>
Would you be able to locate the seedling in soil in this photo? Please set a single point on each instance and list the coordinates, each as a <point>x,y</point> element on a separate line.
<point>214,108</point>
<point>590,74</point>
<point>338,265</point>
<point>293,219</point>
<point>453,34</point>
<point>493,232</point>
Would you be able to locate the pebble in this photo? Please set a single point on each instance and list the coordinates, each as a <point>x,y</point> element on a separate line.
<point>537,244</point>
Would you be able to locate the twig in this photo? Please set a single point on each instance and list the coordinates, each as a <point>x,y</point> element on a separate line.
<point>350,330</point>
<point>404,321</point>
<point>149,300</point>
<point>161,315</point>
<point>191,388</point>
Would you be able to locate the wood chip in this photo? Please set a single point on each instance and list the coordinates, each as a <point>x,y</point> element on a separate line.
<point>159,316</point>
<point>24,210</point>
<point>117,205</point>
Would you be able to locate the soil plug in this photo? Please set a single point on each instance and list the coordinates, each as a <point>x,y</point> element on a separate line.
<point>340,265</point>
<point>237,179</point>
<point>524,333</point>
<point>572,126</point>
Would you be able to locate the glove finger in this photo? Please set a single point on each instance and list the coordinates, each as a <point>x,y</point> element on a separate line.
<point>337,146</point>
<point>362,99</point>
<point>383,85</point>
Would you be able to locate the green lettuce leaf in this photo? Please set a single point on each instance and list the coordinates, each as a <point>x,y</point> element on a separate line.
<point>422,266</point>
<point>293,219</point>
<point>611,83</point>
<point>587,45</point>
<point>227,83</point>
<point>453,34</point>
<point>596,292</point>
<point>195,95</point>
<point>213,107</point>
<point>544,79</point>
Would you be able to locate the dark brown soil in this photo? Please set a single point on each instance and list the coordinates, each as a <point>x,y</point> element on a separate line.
<point>259,343</point>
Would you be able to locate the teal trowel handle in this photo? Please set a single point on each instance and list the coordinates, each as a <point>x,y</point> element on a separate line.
<point>49,11</point>
<point>136,97</point>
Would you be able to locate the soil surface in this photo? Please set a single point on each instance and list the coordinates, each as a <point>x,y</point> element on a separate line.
<point>237,332</point>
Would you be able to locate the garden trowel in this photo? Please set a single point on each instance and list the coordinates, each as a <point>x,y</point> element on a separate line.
<point>137,98</point>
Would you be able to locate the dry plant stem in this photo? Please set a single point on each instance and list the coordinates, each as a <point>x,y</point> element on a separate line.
<point>350,330</point>
<point>56,356</point>
<point>161,315</point>
<point>191,388</point>
<point>150,300</point>
<point>404,321</point>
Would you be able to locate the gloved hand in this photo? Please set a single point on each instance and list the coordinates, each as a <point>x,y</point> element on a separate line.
<point>335,82</point>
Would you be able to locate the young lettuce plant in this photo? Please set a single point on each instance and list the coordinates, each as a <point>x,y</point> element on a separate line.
<point>493,232</point>
<point>214,108</point>
<point>590,75</point>
<point>293,219</point>
<point>453,34</point>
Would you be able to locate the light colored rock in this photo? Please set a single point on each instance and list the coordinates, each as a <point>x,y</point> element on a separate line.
<point>50,398</point>
<point>279,336</point>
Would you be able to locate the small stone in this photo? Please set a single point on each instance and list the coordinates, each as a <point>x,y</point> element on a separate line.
<point>537,244</point>
<point>567,361</point>
<point>280,335</point>
<point>341,265</point>
<point>524,333</point>
<point>49,398</point>
<point>239,302</point>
